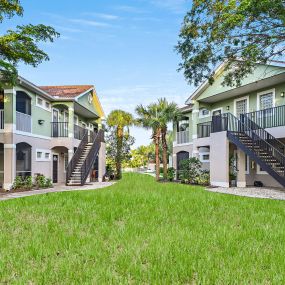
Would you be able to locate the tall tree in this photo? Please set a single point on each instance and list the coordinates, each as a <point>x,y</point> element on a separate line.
<point>120,121</point>
<point>241,33</point>
<point>20,45</point>
<point>167,112</point>
<point>148,118</point>
<point>156,116</point>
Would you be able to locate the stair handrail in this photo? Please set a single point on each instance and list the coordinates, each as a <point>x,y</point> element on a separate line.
<point>255,127</point>
<point>242,127</point>
<point>90,158</point>
<point>75,158</point>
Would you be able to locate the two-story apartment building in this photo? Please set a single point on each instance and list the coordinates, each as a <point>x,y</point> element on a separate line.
<point>51,130</point>
<point>243,124</point>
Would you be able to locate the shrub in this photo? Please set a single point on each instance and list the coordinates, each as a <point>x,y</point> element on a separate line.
<point>49,183</point>
<point>25,183</point>
<point>204,178</point>
<point>40,181</point>
<point>190,170</point>
<point>170,174</point>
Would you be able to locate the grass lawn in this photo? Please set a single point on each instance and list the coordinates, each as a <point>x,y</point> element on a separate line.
<point>139,231</point>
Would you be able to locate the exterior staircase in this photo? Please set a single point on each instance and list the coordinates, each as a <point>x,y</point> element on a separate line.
<point>82,161</point>
<point>256,142</point>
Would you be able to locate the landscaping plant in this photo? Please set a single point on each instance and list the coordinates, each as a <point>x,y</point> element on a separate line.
<point>190,170</point>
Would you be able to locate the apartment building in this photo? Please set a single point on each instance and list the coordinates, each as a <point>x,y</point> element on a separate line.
<point>245,123</point>
<point>51,130</point>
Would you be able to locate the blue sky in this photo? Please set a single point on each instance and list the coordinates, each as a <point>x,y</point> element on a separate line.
<point>124,48</point>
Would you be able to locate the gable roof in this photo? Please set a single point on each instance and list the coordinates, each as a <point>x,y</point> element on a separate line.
<point>278,66</point>
<point>66,91</point>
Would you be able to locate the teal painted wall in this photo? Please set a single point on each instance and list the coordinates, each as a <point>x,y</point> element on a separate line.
<point>83,100</point>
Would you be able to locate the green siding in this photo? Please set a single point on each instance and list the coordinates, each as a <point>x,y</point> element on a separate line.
<point>261,72</point>
<point>83,100</point>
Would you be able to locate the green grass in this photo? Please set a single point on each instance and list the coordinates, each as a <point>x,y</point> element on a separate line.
<point>139,231</point>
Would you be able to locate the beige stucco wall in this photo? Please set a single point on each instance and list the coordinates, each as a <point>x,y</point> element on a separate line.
<point>178,148</point>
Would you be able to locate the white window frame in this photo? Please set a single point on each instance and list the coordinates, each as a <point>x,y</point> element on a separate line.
<point>43,106</point>
<point>263,93</point>
<point>241,99</point>
<point>217,109</point>
<point>76,120</point>
<point>201,116</point>
<point>43,158</point>
<point>201,156</point>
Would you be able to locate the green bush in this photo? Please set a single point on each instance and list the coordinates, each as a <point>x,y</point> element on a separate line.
<point>25,183</point>
<point>190,170</point>
<point>170,174</point>
<point>48,183</point>
<point>204,178</point>
<point>40,181</point>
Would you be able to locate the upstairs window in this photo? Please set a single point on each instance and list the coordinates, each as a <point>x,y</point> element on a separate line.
<point>266,101</point>
<point>183,125</point>
<point>204,112</point>
<point>42,103</point>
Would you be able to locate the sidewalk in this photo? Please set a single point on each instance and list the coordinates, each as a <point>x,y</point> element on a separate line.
<point>57,188</point>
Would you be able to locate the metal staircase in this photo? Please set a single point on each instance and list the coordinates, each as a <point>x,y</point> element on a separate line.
<point>256,142</point>
<point>82,161</point>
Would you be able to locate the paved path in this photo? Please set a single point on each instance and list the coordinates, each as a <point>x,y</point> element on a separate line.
<point>57,188</point>
<point>253,192</point>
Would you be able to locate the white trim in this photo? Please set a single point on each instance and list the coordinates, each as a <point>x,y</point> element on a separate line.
<point>7,145</point>
<point>44,104</point>
<point>204,116</point>
<point>220,184</point>
<point>217,109</point>
<point>263,93</point>
<point>201,156</point>
<point>84,93</point>
<point>241,99</point>
<point>44,152</point>
<point>32,135</point>
<point>195,111</point>
<point>55,109</point>
<point>10,91</point>
<point>181,144</point>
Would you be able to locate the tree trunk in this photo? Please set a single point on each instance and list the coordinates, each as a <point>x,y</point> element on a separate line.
<point>164,153</point>
<point>157,160</point>
<point>120,134</point>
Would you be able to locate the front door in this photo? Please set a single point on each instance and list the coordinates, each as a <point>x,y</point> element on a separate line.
<point>241,107</point>
<point>55,168</point>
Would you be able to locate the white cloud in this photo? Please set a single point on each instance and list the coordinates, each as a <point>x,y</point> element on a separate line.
<point>130,9</point>
<point>90,23</point>
<point>104,16</point>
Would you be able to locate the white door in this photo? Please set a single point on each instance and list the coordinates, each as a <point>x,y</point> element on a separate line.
<point>241,107</point>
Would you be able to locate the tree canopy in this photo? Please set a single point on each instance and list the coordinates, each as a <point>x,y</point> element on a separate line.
<point>241,33</point>
<point>20,45</point>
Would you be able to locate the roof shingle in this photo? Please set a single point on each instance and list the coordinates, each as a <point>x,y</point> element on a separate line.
<point>67,91</point>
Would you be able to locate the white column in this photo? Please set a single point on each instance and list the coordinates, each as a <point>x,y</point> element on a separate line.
<point>241,178</point>
<point>102,162</point>
<point>219,159</point>
<point>9,165</point>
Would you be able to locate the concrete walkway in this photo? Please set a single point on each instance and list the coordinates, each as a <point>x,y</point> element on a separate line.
<point>57,188</point>
<point>253,192</point>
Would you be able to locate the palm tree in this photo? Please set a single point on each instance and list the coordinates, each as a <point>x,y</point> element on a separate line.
<point>120,120</point>
<point>149,119</point>
<point>168,112</point>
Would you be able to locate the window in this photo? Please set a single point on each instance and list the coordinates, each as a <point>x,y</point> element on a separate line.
<point>75,120</point>
<point>204,157</point>
<point>43,155</point>
<point>42,103</point>
<point>39,101</point>
<point>266,99</point>
<point>204,113</point>
<point>183,125</point>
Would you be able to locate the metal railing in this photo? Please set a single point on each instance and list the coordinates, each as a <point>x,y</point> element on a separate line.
<point>182,137</point>
<point>73,162</point>
<point>79,132</point>
<point>96,140</point>
<point>59,129</point>
<point>1,119</point>
<point>268,118</point>
<point>23,122</point>
<point>260,140</point>
<point>204,129</point>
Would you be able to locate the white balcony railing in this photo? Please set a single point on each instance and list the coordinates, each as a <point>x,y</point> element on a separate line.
<point>182,137</point>
<point>1,119</point>
<point>23,122</point>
